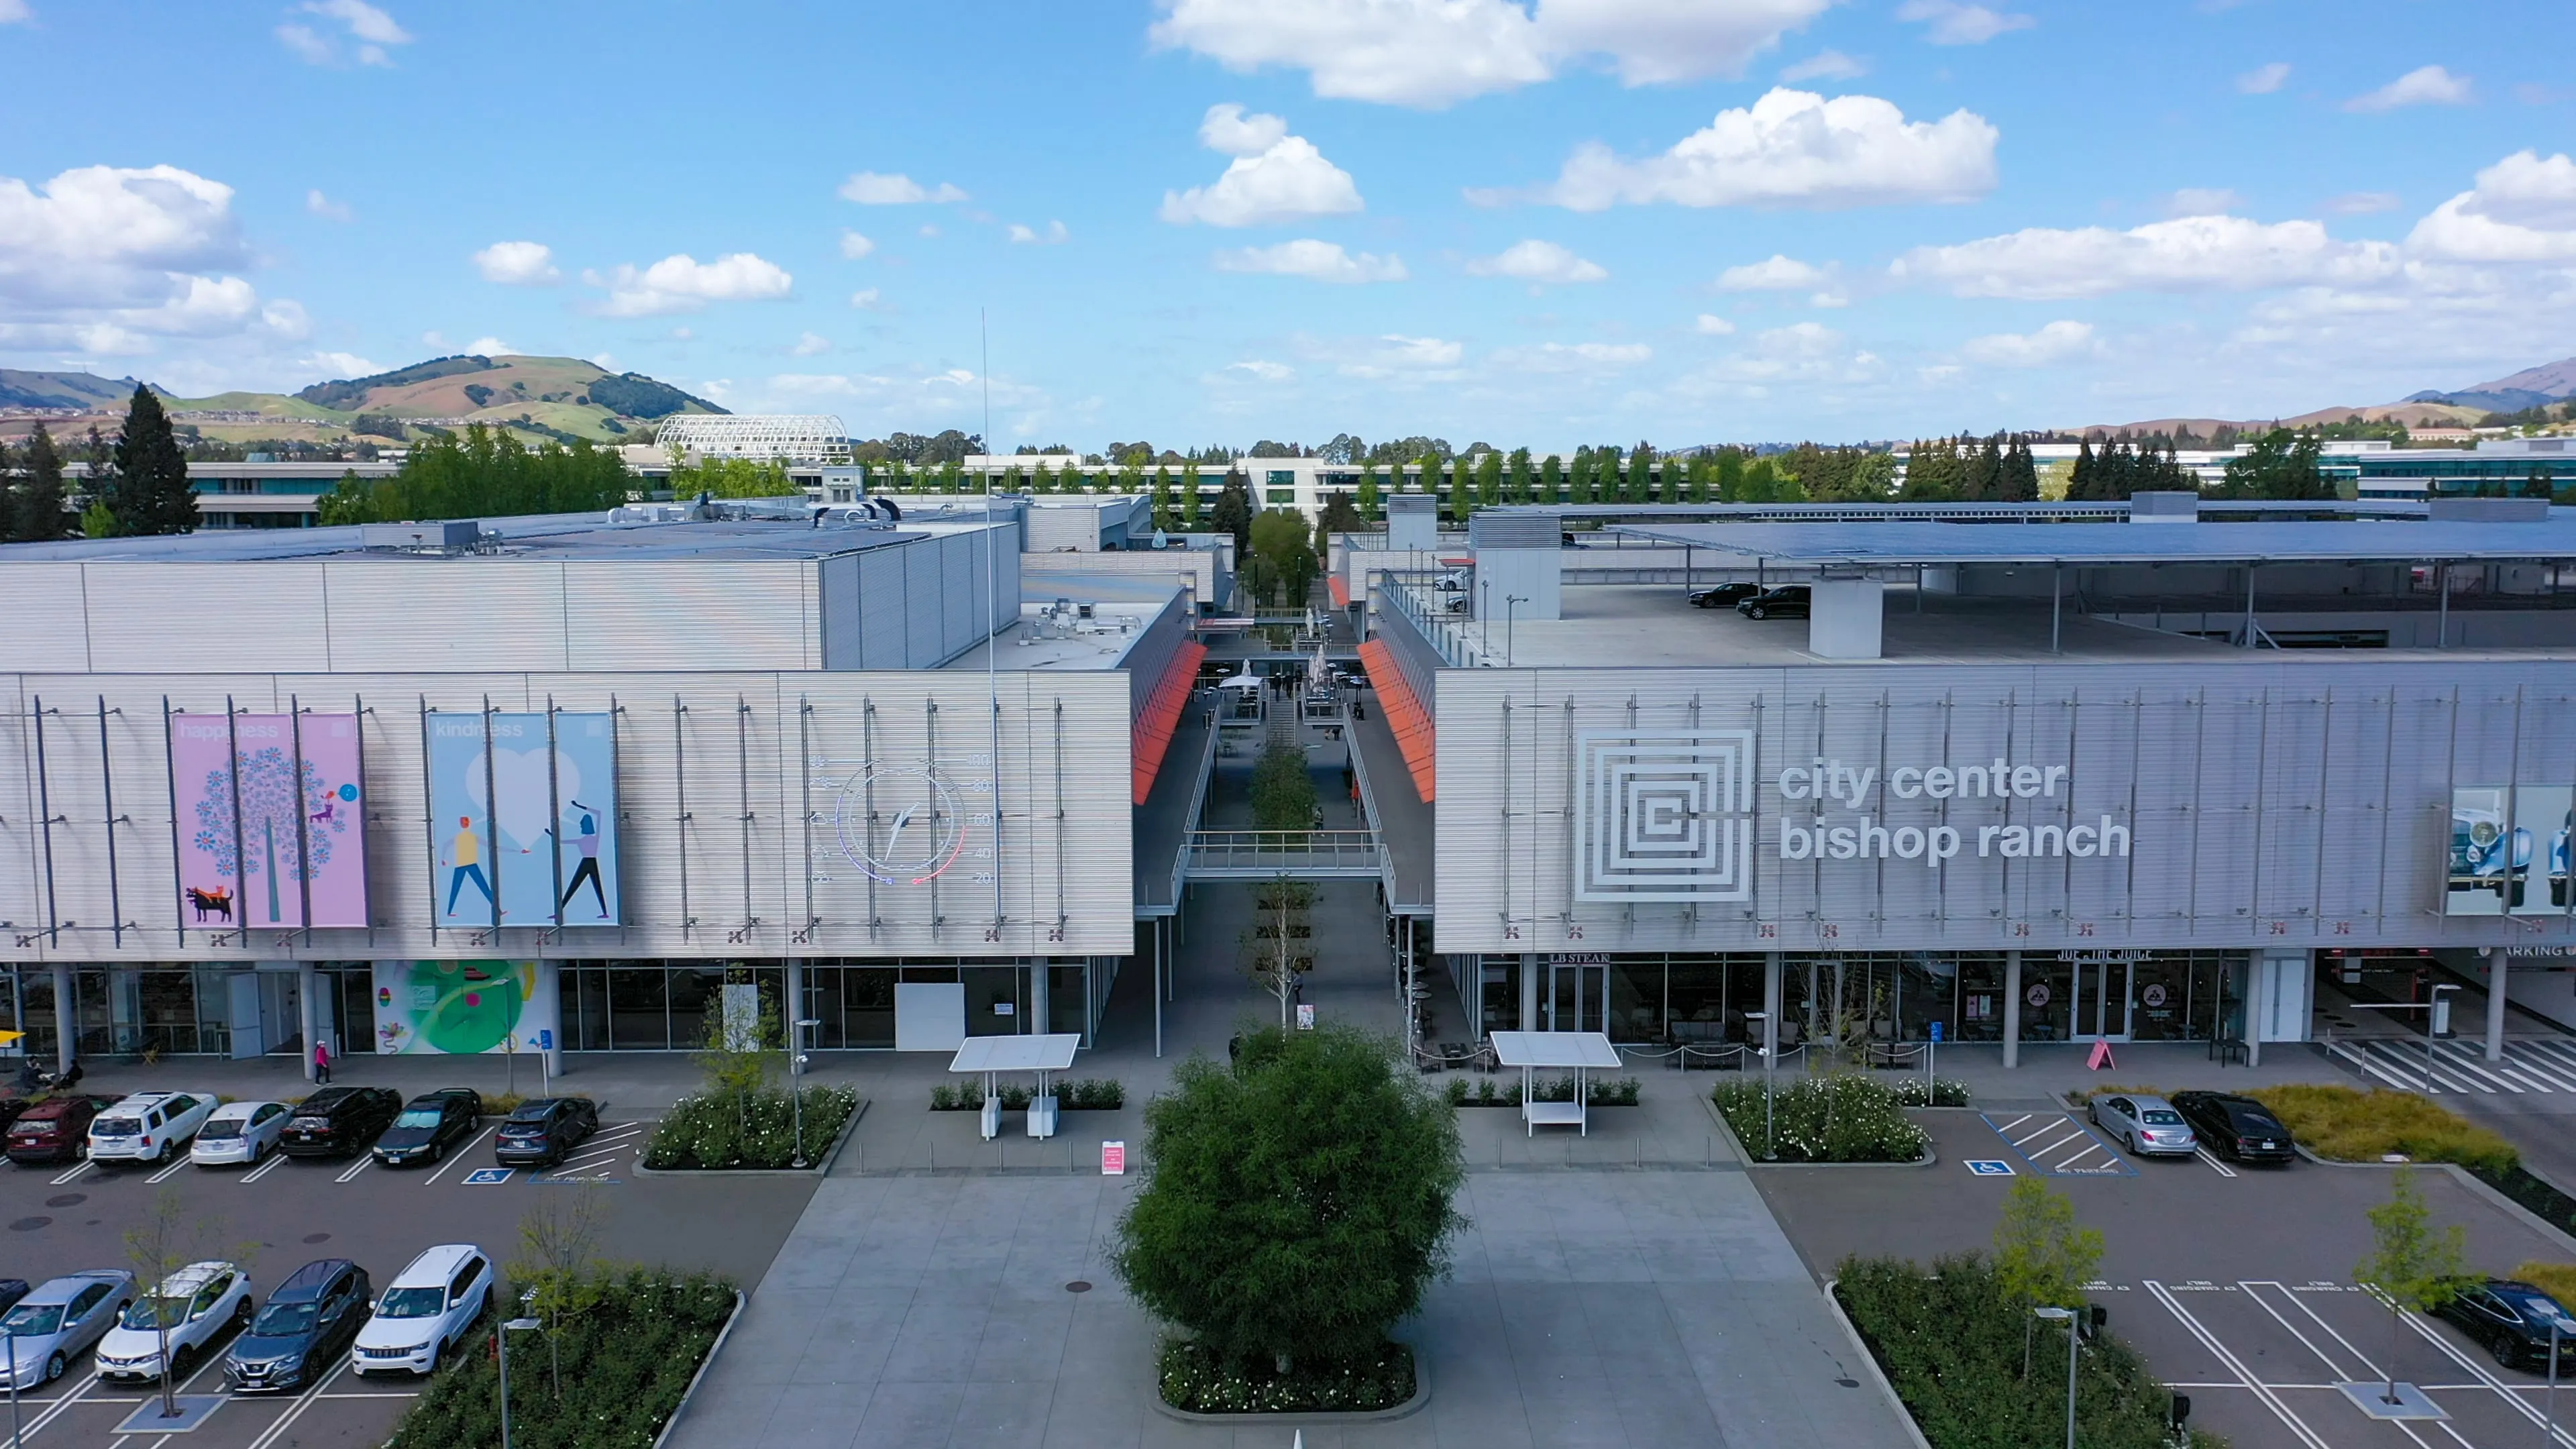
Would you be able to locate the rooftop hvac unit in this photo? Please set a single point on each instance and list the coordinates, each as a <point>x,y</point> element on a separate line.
<point>449,535</point>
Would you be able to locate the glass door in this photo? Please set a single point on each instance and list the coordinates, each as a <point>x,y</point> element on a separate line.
<point>1578,998</point>
<point>2103,1007</point>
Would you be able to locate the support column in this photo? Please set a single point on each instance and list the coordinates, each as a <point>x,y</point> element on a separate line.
<point>1771,997</point>
<point>2496,967</point>
<point>798,1039</point>
<point>1037,1002</point>
<point>66,1019</point>
<point>1529,991</point>
<point>309,1020</point>
<point>2012,1010</point>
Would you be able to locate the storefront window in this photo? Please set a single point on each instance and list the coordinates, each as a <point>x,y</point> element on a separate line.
<point>638,1009</point>
<point>1067,1010</point>
<point>1981,1000</point>
<point>993,1001</point>
<point>2046,998</point>
<point>1498,986</point>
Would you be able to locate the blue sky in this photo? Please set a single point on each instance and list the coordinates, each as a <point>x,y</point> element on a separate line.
<point>1195,221</point>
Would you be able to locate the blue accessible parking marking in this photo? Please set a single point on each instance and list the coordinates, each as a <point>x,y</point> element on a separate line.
<point>1989,1167</point>
<point>2055,1144</point>
<point>488,1176</point>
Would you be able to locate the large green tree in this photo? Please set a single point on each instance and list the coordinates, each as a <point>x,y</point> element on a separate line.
<point>148,489</point>
<point>482,474</point>
<point>1281,541</point>
<point>2281,464</point>
<point>1232,514</point>
<point>36,505</point>
<point>1300,1201</point>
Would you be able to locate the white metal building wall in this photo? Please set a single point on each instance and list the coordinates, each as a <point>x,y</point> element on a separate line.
<point>2284,805</point>
<point>731,880</point>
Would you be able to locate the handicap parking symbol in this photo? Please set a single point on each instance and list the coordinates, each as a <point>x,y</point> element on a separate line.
<point>493,1176</point>
<point>1989,1167</point>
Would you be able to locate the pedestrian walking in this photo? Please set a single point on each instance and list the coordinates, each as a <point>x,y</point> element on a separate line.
<point>322,1063</point>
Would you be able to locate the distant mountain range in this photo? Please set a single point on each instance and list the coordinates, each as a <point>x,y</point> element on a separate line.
<point>556,397</point>
<point>2533,386</point>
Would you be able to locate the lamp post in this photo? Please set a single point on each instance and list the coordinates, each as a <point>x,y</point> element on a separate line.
<point>2053,1314</point>
<point>2432,1021</point>
<point>1764,1019</point>
<point>1508,601</point>
<point>795,1090</point>
<point>515,1325</point>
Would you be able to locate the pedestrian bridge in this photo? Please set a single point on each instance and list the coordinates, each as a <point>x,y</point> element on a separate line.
<point>1295,854</point>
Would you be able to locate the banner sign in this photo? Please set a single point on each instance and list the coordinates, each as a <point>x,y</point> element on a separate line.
<point>2509,851</point>
<point>525,835</point>
<point>267,809</point>
<point>458,1008</point>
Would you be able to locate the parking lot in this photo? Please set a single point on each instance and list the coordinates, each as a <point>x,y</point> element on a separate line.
<point>2235,1282</point>
<point>286,1212</point>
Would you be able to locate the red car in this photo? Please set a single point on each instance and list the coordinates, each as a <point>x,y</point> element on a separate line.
<point>54,1130</point>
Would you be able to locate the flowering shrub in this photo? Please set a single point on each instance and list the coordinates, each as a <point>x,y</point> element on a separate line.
<point>1839,1117</point>
<point>1944,1092</point>
<point>1195,1379</point>
<point>746,1129</point>
<point>1091,1094</point>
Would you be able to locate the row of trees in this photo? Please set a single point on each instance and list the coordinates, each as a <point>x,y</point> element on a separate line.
<point>484,474</point>
<point>137,485</point>
<point>1965,469</point>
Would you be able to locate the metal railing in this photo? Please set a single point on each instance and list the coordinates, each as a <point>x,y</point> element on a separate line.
<point>1301,854</point>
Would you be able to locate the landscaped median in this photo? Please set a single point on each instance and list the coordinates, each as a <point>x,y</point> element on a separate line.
<point>753,1130</point>
<point>1833,1117</point>
<point>2347,1124</point>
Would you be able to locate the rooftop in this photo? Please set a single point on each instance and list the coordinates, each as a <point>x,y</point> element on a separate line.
<point>1908,542</point>
<point>1060,641</point>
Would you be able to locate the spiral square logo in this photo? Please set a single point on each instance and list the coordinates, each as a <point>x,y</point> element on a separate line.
<point>1664,816</point>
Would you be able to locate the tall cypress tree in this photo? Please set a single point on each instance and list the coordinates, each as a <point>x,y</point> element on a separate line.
<point>2021,474</point>
<point>150,494</point>
<point>2080,485</point>
<point>36,508</point>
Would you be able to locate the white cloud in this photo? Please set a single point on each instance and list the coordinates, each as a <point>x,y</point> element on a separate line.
<point>1322,261</point>
<point>1954,23</point>
<point>2201,201</point>
<point>106,258</point>
<point>2363,203</point>
<point>864,298</point>
<point>1709,324</point>
<point>1054,235</point>
<point>1572,357</point>
<point>325,365</point>
<point>879,402</point>
<point>488,346</point>
<point>1790,149</point>
<point>2200,253</point>
<point>1274,176</point>
<point>1829,299</point>
<point>682,283</point>
<point>1540,262</point>
<point>1266,371</point>
<point>517,263</point>
<point>2057,342</point>
<point>928,229</point>
<point>1808,353</point>
<point>2428,85</point>
<point>2523,209</point>
<point>1825,65</point>
<point>1778,274</point>
<point>369,30</point>
<point>2263,80</point>
<point>327,209</point>
<point>1433,53</point>
<point>15,12</point>
<point>1394,356</point>
<point>871,188</point>
<point>811,344</point>
<point>855,246</point>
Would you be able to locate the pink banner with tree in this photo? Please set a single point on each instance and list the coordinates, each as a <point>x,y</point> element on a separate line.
<point>264,826</point>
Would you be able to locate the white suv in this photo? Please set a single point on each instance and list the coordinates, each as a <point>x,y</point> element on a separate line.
<point>429,1307</point>
<point>148,1126</point>
<point>195,1306</point>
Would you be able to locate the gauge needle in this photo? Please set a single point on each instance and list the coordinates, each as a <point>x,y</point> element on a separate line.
<point>895,832</point>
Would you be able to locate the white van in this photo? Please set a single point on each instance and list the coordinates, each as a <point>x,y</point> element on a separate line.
<point>148,1126</point>
<point>425,1312</point>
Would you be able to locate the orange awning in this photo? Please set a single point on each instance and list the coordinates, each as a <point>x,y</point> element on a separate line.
<point>1340,591</point>
<point>1163,714</point>
<point>1405,714</point>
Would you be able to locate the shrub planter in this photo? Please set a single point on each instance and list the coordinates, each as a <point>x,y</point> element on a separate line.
<point>1313,1418</point>
<point>1727,1134</point>
<point>822,1163</point>
<point>1611,1092</point>
<point>1838,1120</point>
<point>1091,1094</point>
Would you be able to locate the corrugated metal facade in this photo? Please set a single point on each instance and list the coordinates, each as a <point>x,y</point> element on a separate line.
<point>729,844</point>
<point>2295,804</point>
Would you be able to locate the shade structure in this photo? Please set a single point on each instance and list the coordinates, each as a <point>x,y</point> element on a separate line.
<point>1578,1051</point>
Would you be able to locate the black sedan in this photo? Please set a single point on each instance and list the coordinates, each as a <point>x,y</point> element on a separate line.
<point>430,1124</point>
<point>1724,596</point>
<point>2237,1128</point>
<point>541,1132</point>
<point>2513,1321</point>
<point>1789,601</point>
<point>305,1327</point>
<point>337,1121</point>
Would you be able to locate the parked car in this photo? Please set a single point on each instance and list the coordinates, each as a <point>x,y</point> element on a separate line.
<point>313,1315</point>
<point>541,1132</point>
<point>54,1130</point>
<point>1789,601</point>
<point>10,1107</point>
<point>238,1132</point>
<point>1724,596</point>
<point>58,1321</point>
<point>2239,1129</point>
<point>196,1306</point>
<point>148,1126</point>
<point>430,1124</point>
<point>426,1312</point>
<point>2513,1321</point>
<point>2147,1126</point>
<point>337,1121</point>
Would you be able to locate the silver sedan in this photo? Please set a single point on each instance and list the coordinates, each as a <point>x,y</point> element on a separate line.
<point>50,1327</point>
<point>2147,1126</point>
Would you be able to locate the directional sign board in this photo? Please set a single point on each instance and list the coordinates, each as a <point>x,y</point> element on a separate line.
<point>1989,1167</point>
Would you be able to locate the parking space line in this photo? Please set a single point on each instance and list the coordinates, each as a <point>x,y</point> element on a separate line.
<point>2067,1163</point>
<point>354,1169</point>
<point>167,1173</point>
<point>76,1170</point>
<point>295,1411</point>
<point>2211,1158</point>
<point>2009,1126</point>
<point>2309,1344</point>
<point>2055,1125</point>
<point>265,1168</point>
<point>459,1155</point>
<point>2261,1391</point>
<point>2485,1376</point>
<point>2059,1144</point>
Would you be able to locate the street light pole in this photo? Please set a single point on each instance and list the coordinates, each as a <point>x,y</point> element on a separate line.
<point>795,1089</point>
<point>2052,1314</point>
<point>2432,1020</point>
<point>1508,614</point>
<point>1764,1017</point>
<point>522,1325</point>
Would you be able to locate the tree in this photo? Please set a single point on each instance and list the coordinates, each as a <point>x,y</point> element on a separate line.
<point>1489,480</point>
<point>2414,1268</point>
<point>488,474</point>
<point>1232,514</point>
<point>558,1257</point>
<point>732,478</point>
<point>168,1236</point>
<point>1640,484</point>
<point>1338,516</point>
<point>1727,475</point>
<point>2081,485</point>
<point>2041,1256</point>
<point>150,493</point>
<point>2280,464</point>
<point>1280,539</point>
<point>1300,1201</point>
<point>1520,475</point>
<point>98,520</point>
<point>1280,948</point>
<point>2537,483</point>
<point>1187,480</point>
<point>2021,474</point>
<point>1370,506</point>
<point>1165,518</point>
<point>36,509</point>
<point>1551,480</point>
